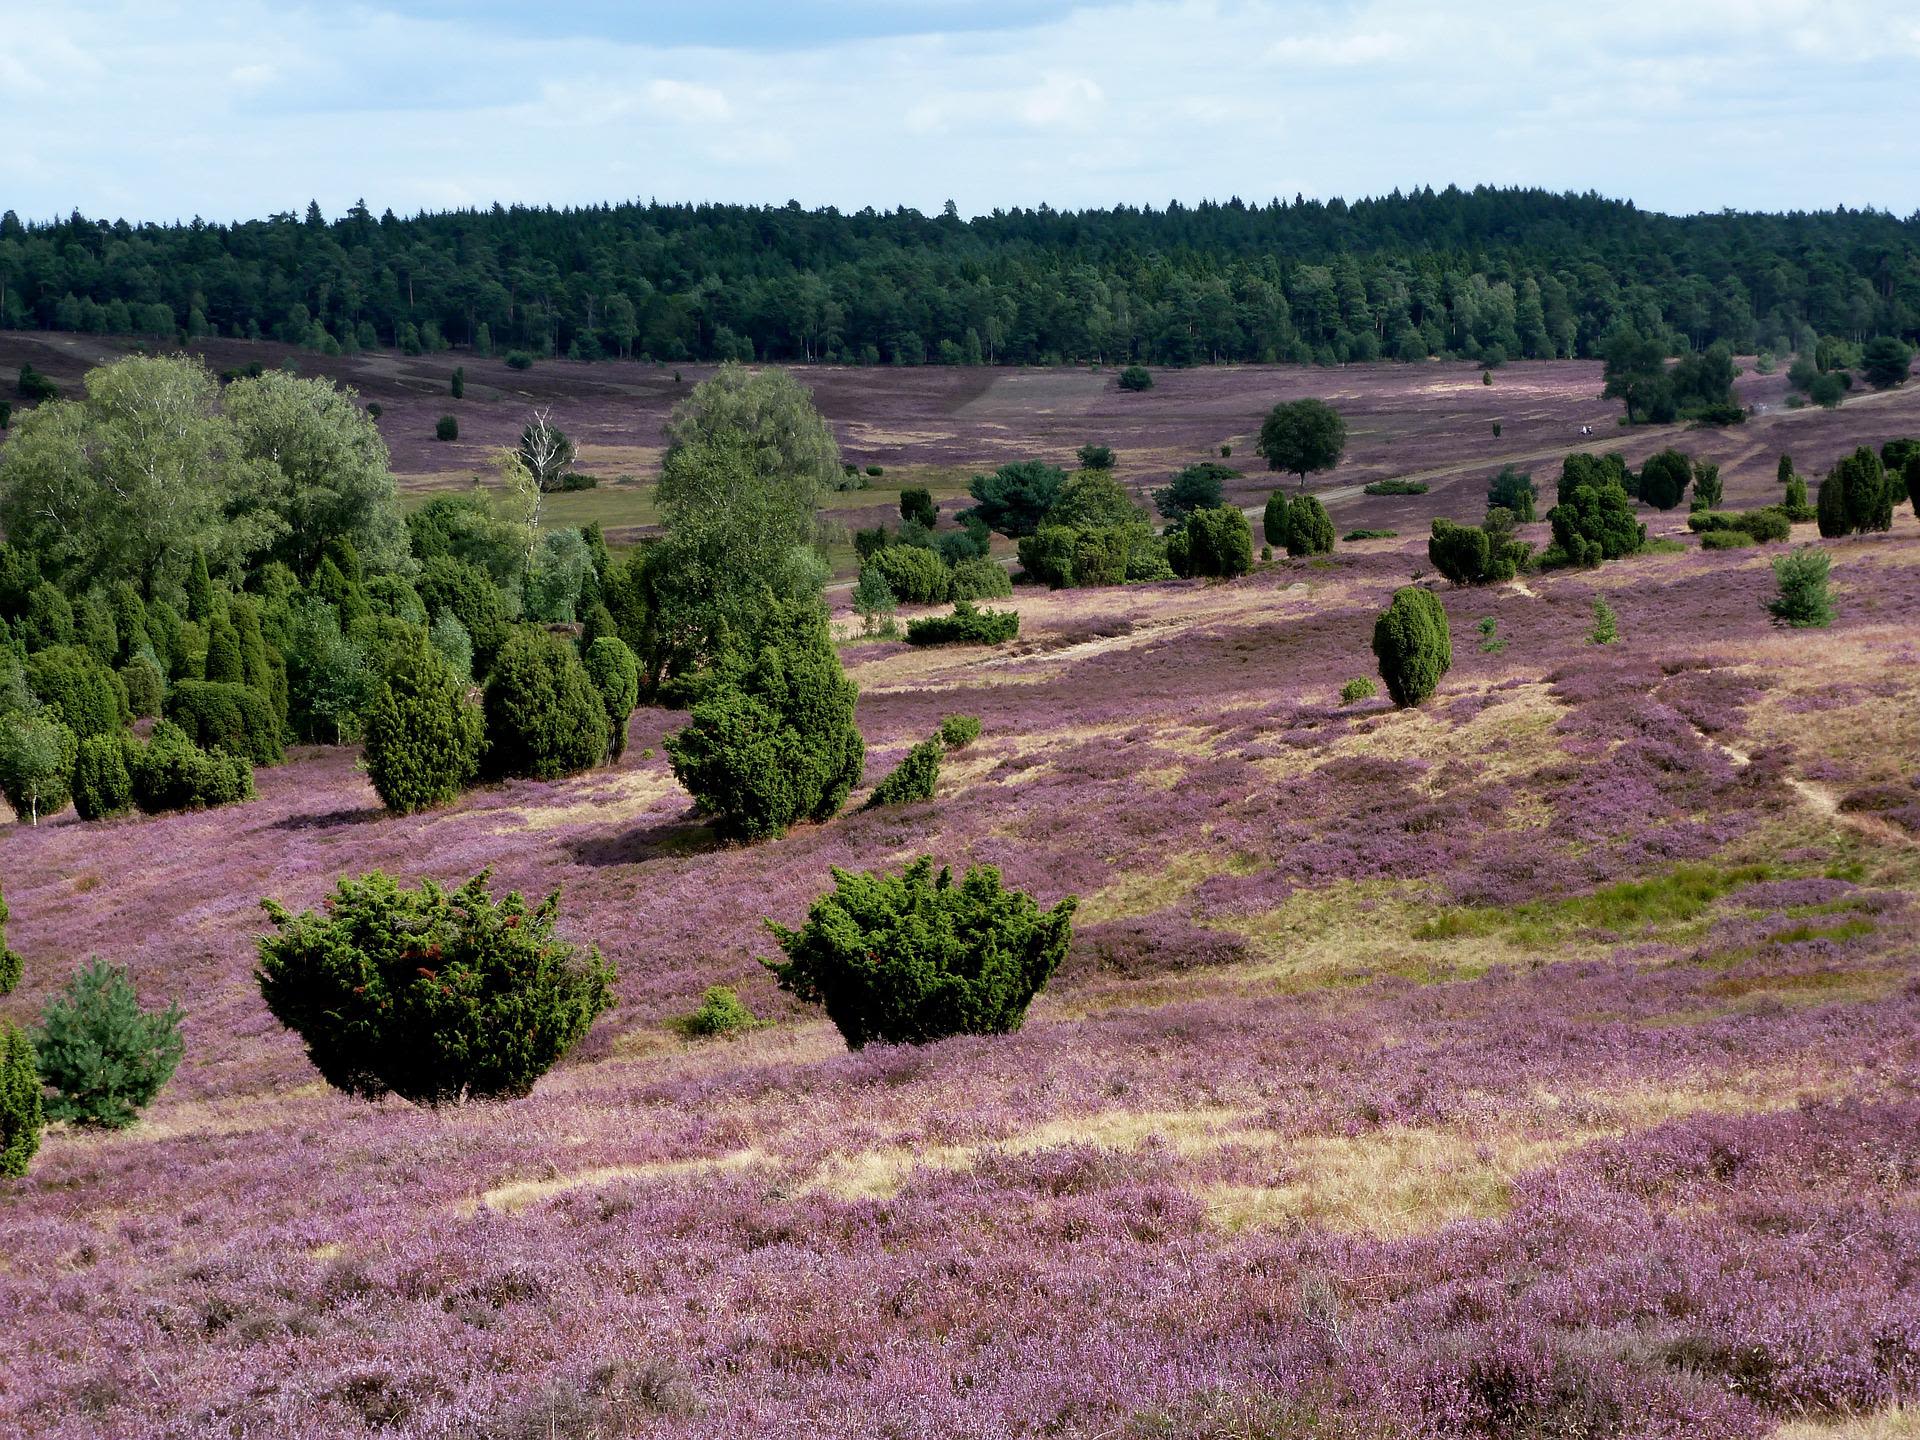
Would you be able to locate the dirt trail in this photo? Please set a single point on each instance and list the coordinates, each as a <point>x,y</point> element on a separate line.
<point>1818,798</point>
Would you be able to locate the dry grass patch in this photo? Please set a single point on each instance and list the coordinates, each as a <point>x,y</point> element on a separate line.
<point>1897,1423</point>
<point>1144,892</point>
<point>625,796</point>
<point>517,1195</point>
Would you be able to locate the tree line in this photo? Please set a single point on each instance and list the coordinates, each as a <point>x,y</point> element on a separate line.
<point>1489,273</point>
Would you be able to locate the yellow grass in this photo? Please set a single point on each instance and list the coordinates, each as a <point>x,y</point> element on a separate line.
<point>1897,1423</point>
<point>517,1195</point>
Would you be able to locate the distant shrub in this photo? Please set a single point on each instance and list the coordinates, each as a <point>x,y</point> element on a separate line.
<point>721,1012</point>
<point>1606,626</point>
<point>1664,478</point>
<point>543,717</point>
<point>1216,542</point>
<point>10,962</point>
<point>1856,497</point>
<point>104,1057</point>
<point>1194,487</point>
<point>1225,451</point>
<point>1513,490</point>
<point>1594,522</point>
<point>773,740</point>
<point>36,386</point>
<point>876,471</point>
<point>78,689</point>
<point>1767,525</point>
<point>1095,457</point>
<point>375,410</point>
<point>1353,535</point>
<point>1724,539</point>
<point>21,1102</point>
<point>917,504</point>
<point>36,765</point>
<point>447,427</point>
<point>521,360</point>
<point>1783,471</point>
<point>423,735</point>
<point>1360,689</point>
<point>434,996</point>
<point>1709,493</point>
<point>980,579</point>
<point>967,625</point>
<point>912,958</point>
<point>913,779</point>
<point>1396,487</point>
<point>170,772</point>
<point>959,731</point>
<point>1412,644</point>
<point>1136,377</point>
<point>1309,529</point>
<point>1477,554</point>
<point>146,687</point>
<point>101,785</point>
<point>227,717</point>
<point>1804,602</point>
<point>615,672</point>
<point>915,576</point>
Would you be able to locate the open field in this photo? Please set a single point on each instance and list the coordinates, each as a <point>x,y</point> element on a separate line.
<point>1542,1062</point>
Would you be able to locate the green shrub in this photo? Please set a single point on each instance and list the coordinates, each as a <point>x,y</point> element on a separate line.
<point>170,772</point>
<point>914,575</point>
<point>721,1012</point>
<point>959,731</point>
<point>1804,601</point>
<point>103,1057</point>
<point>1136,377</point>
<point>1360,689</point>
<point>78,689</point>
<point>431,995</point>
<point>1606,626</point>
<point>21,1103</point>
<point>101,785</point>
<point>10,962</point>
<point>521,360</point>
<point>447,427</point>
<point>917,504</point>
<point>914,778</point>
<point>772,739</point>
<point>1766,525</point>
<point>1594,521</point>
<point>229,717</point>
<point>1216,542</point>
<point>1396,487</point>
<point>1724,539</point>
<point>615,672</point>
<point>423,735</point>
<point>1412,644</point>
<point>1273,519</point>
<point>1309,530</point>
<point>1796,507</point>
<point>912,958</point>
<point>980,579</point>
<point>463,590</point>
<point>1353,535</point>
<point>36,765</point>
<point>544,719</point>
<point>1477,554</point>
<point>145,685</point>
<point>1512,489</point>
<point>1708,491</point>
<point>876,471</point>
<point>1664,478</point>
<point>1856,497</point>
<point>967,625</point>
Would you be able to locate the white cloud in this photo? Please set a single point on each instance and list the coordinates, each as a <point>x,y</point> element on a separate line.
<point>1340,50</point>
<point>1062,101</point>
<point>682,100</point>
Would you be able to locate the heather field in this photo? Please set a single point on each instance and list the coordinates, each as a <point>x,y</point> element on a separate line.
<point>1539,1062</point>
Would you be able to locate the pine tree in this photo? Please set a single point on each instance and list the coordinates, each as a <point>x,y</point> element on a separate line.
<point>102,1055</point>
<point>1606,628</point>
<point>199,590</point>
<point>224,665</point>
<point>423,735</point>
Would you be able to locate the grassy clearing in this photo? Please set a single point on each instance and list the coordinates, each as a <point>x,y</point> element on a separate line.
<point>1675,898</point>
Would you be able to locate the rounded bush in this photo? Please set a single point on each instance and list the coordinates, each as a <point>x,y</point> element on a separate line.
<point>447,427</point>
<point>1664,479</point>
<point>1216,542</point>
<point>1309,529</point>
<point>145,685</point>
<point>959,731</point>
<point>79,690</point>
<point>21,1106</point>
<point>914,778</point>
<point>1136,377</point>
<point>170,772</point>
<point>915,576</point>
<point>101,785</point>
<point>217,715</point>
<point>615,672</point>
<point>423,734</point>
<point>544,719</point>
<point>434,996</point>
<point>1412,644</point>
<point>459,588</point>
<point>980,579</point>
<point>1356,690</point>
<point>911,958</point>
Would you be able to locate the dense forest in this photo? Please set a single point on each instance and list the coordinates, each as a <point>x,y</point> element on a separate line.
<point>1488,273</point>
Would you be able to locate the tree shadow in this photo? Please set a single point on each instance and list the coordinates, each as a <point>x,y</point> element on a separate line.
<point>679,838</point>
<point>331,819</point>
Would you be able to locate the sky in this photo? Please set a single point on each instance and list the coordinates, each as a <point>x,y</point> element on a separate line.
<point>231,109</point>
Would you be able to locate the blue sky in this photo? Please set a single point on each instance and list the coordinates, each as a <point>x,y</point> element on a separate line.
<point>231,108</point>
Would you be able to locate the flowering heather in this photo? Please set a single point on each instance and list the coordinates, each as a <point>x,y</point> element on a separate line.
<point>1545,1061</point>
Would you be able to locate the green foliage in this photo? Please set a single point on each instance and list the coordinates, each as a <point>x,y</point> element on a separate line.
<point>544,719</point>
<point>1216,542</point>
<point>78,690</point>
<point>103,1057</point>
<point>615,672</point>
<point>1273,519</point>
<point>959,731</point>
<point>721,1012</point>
<point>1766,525</point>
<point>1017,497</point>
<point>434,996</point>
<point>458,386</point>
<point>1353,535</point>
<point>913,575</point>
<point>170,772</point>
<point>1606,626</point>
<point>424,736</point>
<point>452,643</point>
<point>1412,644</point>
<point>560,572</point>
<point>1094,457</point>
<point>917,504</point>
<point>10,962</point>
<point>1856,497</point>
<point>519,360</point>
<point>1477,554</point>
<point>1396,487</point>
<point>773,740</point>
<point>447,427</point>
<point>1594,522</point>
<point>35,386</point>
<point>1783,471</point>
<point>1135,377</point>
<point>1796,507</point>
<point>1804,602</point>
<point>1664,478</point>
<point>1885,361</point>
<point>912,958</point>
<point>1512,490</point>
<point>913,779</point>
<point>1708,492</point>
<point>980,579</point>
<point>463,527</point>
<point>1196,487</point>
<point>1309,529</point>
<point>101,785</point>
<point>1724,539</point>
<point>873,601</point>
<point>48,621</point>
<point>457,587</point>
<point>792,454</point>
<point>1595,472</point>
<point>1827,390</point>
<point>36,765</point>
<point>1302,437</point>
<point>1358,689</point>
<point>227,717</point>
<point>967,625</point>
<point>21,1103</point>
<point>331,678</point>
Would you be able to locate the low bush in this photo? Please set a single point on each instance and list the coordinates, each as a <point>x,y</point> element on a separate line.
<point>101,786</point>
<point>1765,525</point>
<point>170,772</point>
<point>10,962</point>
<point>543,717</point>
<point>1396,487</point>
<point>916,576</point>
<point>447,427</point>
<point>959,731</point>
<point>431,995</point>
<point>721,1012</point>
<point>21,1103</point>
<point>1213,543</point>
<point>423,734</point>
<point>1412,644</point>
<point>967,625</point>
<point>913,958</point>
<point>102,1056</point>
<point>980,579</point>
<point>521,360</point>
<point>1353,535</point>
<point>1477,554</point>
<point>1724,539</point>
<point>914,778</point>
<point>1804,602</point>
<point>1797,507</point>
<point>1606,626</point>
<point>223,716</point>
<point>1136,377</point>
<point>1356,690</point>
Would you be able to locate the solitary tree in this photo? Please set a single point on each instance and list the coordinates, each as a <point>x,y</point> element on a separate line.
<point>1886,361</point>
<point>1664,479</point>
<point>1412,644</point>
<point>917,505</point>
<point>1302,437</point>
<point>546,452</point>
